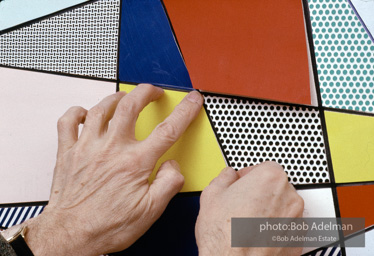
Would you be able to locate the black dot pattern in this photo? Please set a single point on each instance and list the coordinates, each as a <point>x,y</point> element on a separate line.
<point>252,132</point>
<point>82,41</point>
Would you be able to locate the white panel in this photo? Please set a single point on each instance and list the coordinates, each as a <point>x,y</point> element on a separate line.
<point>30,105</point>
<point>365,9</point>
<point>318,203</point>
<point>15,12</point>
<point>368,250</point>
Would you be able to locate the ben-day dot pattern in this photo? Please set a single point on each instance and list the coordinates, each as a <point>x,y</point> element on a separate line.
<point>344,55</point>
<point>82,41</point>
<point>252,132</point>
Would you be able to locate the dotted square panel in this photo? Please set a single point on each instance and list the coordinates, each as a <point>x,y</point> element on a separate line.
<point>344,55</point>
<point>252,132</point>
<point>352,146</point>
<point>82,41</point>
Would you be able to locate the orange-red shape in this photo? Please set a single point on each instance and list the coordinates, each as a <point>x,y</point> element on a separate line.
<point>357,202</point>
<point>253,48</point>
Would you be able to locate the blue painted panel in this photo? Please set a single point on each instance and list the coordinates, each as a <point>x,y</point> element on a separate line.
<point>173,234</point>
<point>148,51</point>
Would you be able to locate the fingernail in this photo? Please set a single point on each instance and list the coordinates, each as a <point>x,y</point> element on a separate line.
<point>174,164</point>
<point>194,97</point>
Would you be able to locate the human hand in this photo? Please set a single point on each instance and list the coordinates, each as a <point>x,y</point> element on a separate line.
<point>260,191</point>
<point>101,200</point>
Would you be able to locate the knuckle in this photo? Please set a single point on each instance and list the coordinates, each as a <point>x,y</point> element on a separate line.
<point>69,116</point>
<point>75,109</point>
<point>273,165</point>
<point>208,195</point>
<point>135,164</point>
<point>129,106</point>
<point>75,154</point>
<point>275,172</point>
<point>167,131</point>
<point>96,112</point>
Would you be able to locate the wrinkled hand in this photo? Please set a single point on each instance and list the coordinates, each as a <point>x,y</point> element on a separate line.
<point>258,191</point>
<point>101,200</point>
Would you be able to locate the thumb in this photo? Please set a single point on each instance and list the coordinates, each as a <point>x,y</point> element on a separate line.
<point>168,182</point>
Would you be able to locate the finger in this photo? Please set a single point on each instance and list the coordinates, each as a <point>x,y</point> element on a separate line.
<point>168,182</point>
<point>67,128</point>
<point>128,109</point>
<point>227,177</point>
<point>98,117</point>
<point>169,131</point>
<point>266,173</point>
<point>244,171</point>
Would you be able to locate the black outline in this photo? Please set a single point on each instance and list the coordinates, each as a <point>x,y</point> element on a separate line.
<point>216,134</point>
<point>358,183</point>
<point>332,179</point>
<point>309,33</point>
<point>322,118</point>
<point>257,100</point>
<point>349,111</point>
<point>118,44</point>
<point>30,22</point>
<point>174,34</point>
<point>165,87</point>
<point>24,204</point>
<point>60,74</point>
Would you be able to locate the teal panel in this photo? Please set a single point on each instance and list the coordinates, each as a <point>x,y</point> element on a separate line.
<point>344,55</point>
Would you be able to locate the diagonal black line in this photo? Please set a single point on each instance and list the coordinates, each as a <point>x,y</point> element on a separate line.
<point>28,23</point>
<point>60,73</point>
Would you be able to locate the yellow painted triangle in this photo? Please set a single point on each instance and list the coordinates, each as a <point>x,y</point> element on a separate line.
<point>351,139</point>
<point>197,151</point>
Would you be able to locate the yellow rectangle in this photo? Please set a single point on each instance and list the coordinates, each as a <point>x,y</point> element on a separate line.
<point>197,151</point>
<point>351,139</point>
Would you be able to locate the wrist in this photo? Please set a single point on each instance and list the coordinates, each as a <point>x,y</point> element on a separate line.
<point>47,235</point>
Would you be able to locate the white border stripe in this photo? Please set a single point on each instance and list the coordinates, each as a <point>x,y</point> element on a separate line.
<point>8,217</point>
<point>11,223</point>
<point>22,215</point>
